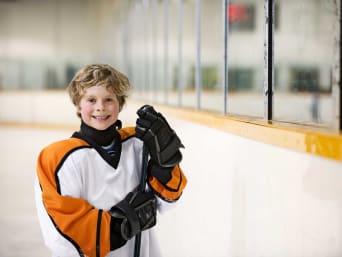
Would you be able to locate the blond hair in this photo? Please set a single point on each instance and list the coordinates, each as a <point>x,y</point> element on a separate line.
<point>99,75</point>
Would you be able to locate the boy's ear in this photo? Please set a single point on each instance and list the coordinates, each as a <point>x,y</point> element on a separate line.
<point>78,111</point>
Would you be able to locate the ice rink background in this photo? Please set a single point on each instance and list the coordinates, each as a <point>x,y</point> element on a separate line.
<point>183,231</point>
<point>244,198</point>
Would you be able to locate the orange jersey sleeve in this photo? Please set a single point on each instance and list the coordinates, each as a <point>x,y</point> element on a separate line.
<point>86,227</point>
<point>174,187</point>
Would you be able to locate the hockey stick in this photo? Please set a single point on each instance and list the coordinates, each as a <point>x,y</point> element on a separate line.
<point>137,242</point>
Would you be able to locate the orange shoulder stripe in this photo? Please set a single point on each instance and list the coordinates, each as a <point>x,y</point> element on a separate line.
<point>52,156</point>
<point>126,132</point>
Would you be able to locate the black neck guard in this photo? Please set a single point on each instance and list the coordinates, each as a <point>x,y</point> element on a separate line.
<point>99,138</point>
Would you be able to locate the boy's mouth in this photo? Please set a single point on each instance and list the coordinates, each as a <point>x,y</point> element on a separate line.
<point>101,118</point>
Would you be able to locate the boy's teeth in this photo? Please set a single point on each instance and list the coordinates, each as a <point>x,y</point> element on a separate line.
<point>101,117</point>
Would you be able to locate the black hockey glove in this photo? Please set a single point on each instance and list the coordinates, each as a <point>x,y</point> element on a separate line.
<point>137,212</point>
<point>162,142</point>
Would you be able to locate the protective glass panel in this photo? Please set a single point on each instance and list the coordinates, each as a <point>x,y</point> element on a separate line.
<point>182,45</point>
<point>212,50</point>
<point>304,57</point>
<point>246,58</point>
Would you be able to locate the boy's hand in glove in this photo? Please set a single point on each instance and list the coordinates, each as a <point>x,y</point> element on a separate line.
<point>162,142</point>
<point>137,211</point>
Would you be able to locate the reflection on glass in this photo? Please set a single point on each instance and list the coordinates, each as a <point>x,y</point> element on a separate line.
<point>245,58</point>
<point>212,47</point>
<point>177,50</point>
<point>304,60</point>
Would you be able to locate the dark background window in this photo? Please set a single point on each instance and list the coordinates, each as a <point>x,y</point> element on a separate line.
<point>304,79</point>
<point>240,79</point>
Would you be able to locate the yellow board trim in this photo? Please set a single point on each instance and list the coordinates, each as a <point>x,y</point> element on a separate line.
<point>324,144</point>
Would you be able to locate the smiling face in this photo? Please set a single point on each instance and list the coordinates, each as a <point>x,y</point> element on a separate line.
<point>98,107</point>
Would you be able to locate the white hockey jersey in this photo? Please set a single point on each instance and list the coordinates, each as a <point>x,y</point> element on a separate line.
<point>75,188</point>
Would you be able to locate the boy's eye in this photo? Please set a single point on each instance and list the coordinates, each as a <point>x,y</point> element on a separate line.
<point>92,100</point>
<point>109,99</point>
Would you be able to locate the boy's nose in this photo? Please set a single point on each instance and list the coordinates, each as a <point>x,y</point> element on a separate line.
<point>100,106</point>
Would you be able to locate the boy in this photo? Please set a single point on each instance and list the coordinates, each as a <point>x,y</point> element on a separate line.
<point>86,189</point>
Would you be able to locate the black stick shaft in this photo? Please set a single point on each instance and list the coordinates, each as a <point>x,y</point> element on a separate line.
<point>137,242</point>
